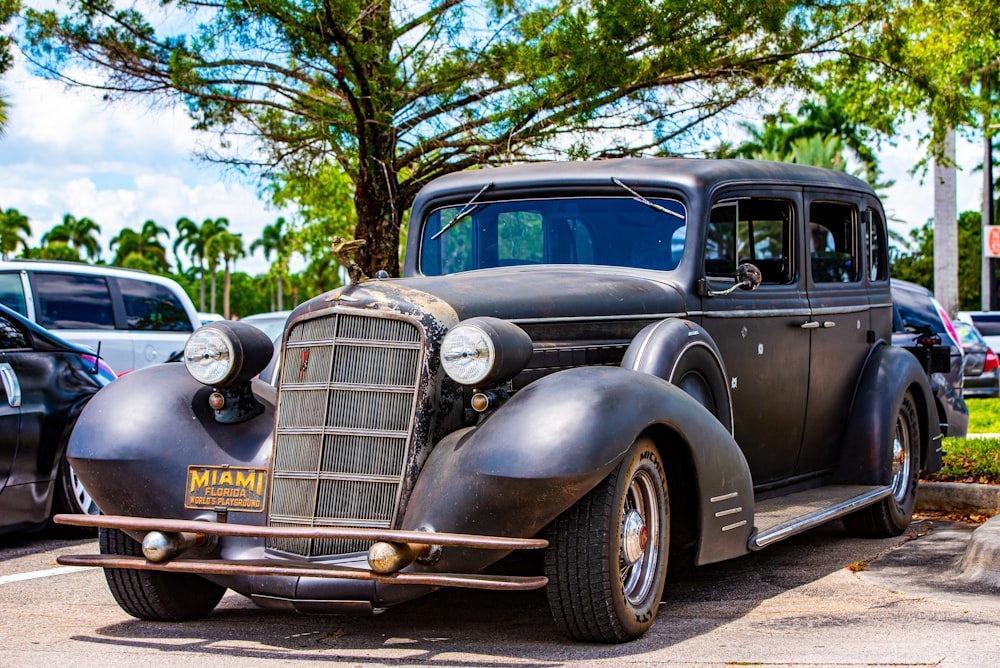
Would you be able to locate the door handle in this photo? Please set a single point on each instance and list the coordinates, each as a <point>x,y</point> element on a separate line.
<point>10,384</point>
<point>812,324</point>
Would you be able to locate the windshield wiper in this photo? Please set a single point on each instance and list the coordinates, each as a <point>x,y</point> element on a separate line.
<point>642,200</point>
<point>467,210</point>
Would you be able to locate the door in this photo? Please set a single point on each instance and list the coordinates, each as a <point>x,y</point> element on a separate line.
<point>11,338</point>
<point>157,323</point>
<point>840,325</point>
<point>766,352</point>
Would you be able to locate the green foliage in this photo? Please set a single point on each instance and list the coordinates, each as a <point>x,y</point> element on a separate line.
<point>15,228</point>
<point>916,264</point>
<point>970,460</point>
<point>394,94</point>
<point>79,234</point>
<point>984,416</point>
<point>142,249</point>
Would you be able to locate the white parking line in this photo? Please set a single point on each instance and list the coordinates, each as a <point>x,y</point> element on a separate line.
<point>62,570</point>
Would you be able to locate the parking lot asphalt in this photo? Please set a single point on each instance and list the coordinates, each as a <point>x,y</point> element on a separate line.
<point>968,562</point>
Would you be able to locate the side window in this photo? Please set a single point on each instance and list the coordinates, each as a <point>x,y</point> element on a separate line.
<point>878,260</point>
<point>833,254</point>
<point>152,307</point>
<point>11,336</point>
<point>12,293</point>
<point>72,301</point>
<point>755,230</point>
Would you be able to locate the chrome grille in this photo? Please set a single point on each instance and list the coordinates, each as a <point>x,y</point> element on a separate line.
<point>345,416</point>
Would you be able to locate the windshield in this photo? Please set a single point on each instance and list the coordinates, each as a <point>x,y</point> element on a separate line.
<point>615,231</point>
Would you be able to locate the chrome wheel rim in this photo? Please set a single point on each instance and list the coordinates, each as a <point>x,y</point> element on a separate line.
<point>83,500</point>
<point>900,459</point>
<point>640,532</point>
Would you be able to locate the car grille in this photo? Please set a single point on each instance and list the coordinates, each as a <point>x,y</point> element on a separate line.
<point>348,388</point>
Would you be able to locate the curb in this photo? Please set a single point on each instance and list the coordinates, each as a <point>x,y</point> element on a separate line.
<point>980,563</point>
<point>958,497</point>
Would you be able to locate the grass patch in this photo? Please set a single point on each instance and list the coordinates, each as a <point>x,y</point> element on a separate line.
<point>969,460</point>
<point>984,416</point>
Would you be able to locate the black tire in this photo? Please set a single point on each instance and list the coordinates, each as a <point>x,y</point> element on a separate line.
<point>604,587</point>
<point>890,516</point>
<point>154,595</point>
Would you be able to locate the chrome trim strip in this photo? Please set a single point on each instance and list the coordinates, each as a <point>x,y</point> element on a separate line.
<point>730,527</point>
<point>598,318</point>
<point>724,497</point>
<point>814,519</point>
<point>758,313</point>
<point>835,310</point>
<point>731,511</point>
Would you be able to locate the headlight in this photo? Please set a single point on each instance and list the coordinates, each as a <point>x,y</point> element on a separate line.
<point>484,352</point>
<point>223,353</point>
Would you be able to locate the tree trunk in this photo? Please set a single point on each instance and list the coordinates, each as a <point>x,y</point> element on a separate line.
<point>988,287</point>
<point>212,269</point>
<point>201,287</point>
<point>225,293</point>
<point>281,290</point>
<point>946,226</point>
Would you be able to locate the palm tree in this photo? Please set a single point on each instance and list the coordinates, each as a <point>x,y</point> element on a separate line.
<point>14,231</point>
<point>142,249</point>
<point>275,239</point>
<point>228,247</point>
<point>77,233</point>
<point>197,244</point>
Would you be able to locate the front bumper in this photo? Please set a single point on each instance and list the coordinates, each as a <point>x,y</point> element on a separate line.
<point>290,568</point>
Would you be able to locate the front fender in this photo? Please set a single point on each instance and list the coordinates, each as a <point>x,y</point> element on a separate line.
<point>135,439</point>
<point>889,373</point>
<point>557,439</point>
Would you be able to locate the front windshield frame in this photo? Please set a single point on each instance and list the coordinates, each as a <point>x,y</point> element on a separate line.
<point>604,230</point>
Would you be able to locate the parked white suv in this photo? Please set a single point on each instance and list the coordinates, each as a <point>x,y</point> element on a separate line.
<point>137,318</point>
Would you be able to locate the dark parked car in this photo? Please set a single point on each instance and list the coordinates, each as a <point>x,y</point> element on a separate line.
<point>916,311</point>
<point>607,361</point>
<point>982,367</point>
<point>46,381</point>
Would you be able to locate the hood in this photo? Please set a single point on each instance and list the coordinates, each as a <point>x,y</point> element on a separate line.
<point>526,292</point>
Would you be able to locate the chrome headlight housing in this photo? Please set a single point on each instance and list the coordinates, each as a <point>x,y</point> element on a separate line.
<point>484,352</point>
<point>224,353</point>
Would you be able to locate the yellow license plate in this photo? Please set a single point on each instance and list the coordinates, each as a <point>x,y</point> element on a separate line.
<point>225,488</point>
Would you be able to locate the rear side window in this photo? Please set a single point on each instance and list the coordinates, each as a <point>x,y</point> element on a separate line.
<point>12,293</point>
<point>72,301</point>
<point>834,250</point>
<point>152,307</point>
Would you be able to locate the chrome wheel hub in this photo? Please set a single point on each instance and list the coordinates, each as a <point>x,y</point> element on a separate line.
<point>635,537</point>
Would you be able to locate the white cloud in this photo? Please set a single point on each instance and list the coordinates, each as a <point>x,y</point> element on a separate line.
<point>68,151</point>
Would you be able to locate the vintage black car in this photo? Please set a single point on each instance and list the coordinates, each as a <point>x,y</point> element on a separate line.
<point>44,384</point>
<point>607,361</point>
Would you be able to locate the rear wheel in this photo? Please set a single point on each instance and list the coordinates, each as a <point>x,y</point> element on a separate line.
<point>891,515</point>
<point>607,557</point>
<point>71,496</point>
<point>154,595</point>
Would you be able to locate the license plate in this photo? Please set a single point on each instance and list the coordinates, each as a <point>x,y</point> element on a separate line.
<point>225,488</point>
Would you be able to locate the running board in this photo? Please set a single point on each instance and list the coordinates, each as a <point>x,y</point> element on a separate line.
<point>778,518</point>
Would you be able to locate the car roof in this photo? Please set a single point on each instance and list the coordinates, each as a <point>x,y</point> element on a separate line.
<point>688,174</point>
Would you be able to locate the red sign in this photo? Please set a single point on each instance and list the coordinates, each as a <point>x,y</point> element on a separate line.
<point>992,246</point>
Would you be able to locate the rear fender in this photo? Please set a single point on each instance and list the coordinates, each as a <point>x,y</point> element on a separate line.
<point>556,440</point>
<point>889,373</point>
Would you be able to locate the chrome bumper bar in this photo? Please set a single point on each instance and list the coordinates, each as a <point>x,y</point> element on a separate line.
<point>278,567</point>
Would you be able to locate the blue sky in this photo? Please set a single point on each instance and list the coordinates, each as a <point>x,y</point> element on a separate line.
<point>120,164</point>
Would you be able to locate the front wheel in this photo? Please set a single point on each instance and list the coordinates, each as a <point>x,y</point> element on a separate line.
<point>890,516</point>
<point>607,555</point>
<point>154,595</point>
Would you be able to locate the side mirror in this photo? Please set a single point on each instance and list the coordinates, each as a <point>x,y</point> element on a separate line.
<point>748,277</point>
